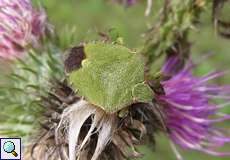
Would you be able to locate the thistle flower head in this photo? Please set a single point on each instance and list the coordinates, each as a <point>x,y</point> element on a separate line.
<point>191,111</point>
<point>76,129</point>
<point>90,127</point>
<point>21,25</point>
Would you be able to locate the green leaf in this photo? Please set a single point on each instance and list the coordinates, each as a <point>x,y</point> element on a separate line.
<point>108,76</point>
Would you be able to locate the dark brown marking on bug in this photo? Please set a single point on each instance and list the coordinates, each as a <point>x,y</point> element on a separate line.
<point>74,58</point>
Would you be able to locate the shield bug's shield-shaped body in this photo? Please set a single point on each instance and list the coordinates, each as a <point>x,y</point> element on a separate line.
<point>110,77</point>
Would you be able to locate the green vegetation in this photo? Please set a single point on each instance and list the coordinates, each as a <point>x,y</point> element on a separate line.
<point>89,17</point>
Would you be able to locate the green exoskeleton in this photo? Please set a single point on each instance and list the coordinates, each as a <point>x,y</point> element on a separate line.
<point>111,77</point>
<point>114,101</point>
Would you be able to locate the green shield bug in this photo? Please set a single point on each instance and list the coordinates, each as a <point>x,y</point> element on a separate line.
<point>110,77</point>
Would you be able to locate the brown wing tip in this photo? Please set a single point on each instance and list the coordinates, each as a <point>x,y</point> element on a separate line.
<point>74,58</point>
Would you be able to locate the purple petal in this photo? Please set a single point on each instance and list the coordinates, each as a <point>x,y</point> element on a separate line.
<point>190,109</point>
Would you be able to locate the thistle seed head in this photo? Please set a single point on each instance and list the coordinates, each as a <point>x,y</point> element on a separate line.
<point>75,129</point>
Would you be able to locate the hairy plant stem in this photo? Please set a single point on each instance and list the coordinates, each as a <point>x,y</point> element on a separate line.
<point>170,34</point>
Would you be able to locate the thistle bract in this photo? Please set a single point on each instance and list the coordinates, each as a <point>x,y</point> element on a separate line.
<point>111,77</point>
<point>21,25</point>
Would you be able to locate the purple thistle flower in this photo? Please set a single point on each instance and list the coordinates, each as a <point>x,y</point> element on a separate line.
<point>191,111</point>
<point>126,2</point>
<point>21,25</point>
<point>130,2</point>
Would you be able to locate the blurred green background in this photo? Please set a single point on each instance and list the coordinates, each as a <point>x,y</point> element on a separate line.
<point>85,18</point>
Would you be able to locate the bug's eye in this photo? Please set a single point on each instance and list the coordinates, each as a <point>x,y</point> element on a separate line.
<point>74,58</point>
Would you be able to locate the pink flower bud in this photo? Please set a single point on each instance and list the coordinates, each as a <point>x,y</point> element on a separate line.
<point>21,25</point>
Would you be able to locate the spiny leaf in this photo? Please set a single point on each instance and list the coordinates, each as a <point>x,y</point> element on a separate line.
<point>20,96</point>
